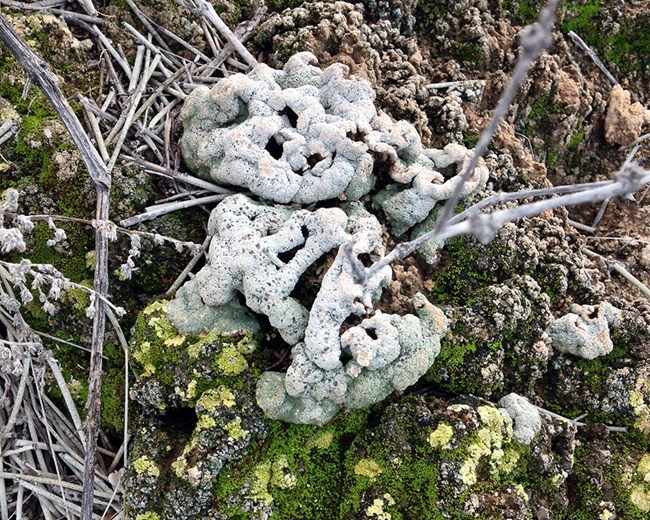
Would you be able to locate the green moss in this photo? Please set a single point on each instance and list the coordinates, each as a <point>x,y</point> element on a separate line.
<point>624,481</point>
<point>297,470</point>
<point>432,9</point>
<point>280,5</point>
<point>149,515</point>
<point>628,48</point>
<point>528,11</point>
<point>469,52</point>
<point>471,140</point>
<point>577,137</point>
<point>112,416</point>
<point>458,277</point>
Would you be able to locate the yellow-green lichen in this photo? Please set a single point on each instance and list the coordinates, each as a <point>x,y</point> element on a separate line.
<point>490,440</point>
<point>149,515</point>
<point>643,469</point>
<point>231,361</point>
<point>458,407</point>
<point>189,393</point>
<point>376,509</point>
<point>494,419</point>
<point>180,466</point>
<point>259,489</point>
<point>234,429</point>
<point>160,305</point>
<point>440,437</point>
<point>281,475</point>
<point>640,494</point>
<point>509,461</point>
<point>191,474</point>
<point>194,350</point>
<point>640,408</point>
<point>145,465</point>
<point>164,330</point>
<point>640,497</point>
<point>205,422</point>
<point>322,440</point>
<point>605,515</point>
<point>519,489</point>
<point>368,468</point>
<point>214,397</point>
<point>175,341</point>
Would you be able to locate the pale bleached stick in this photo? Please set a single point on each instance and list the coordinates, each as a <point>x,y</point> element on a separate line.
<point>67,397</point>
<point>158,117</point>
<point>243,32</point>
<point>167,140</point>
<point>206,10</point>
<point>101,178</point>
<point>48,432</point>
<point>19,502</point>
<point>109,47</point>
<point>183,43</point>
<point>209,37</point>
<point>74,464</point>
<point>449,84</point>
<point>126,114</point>
<point>36,6</point>
<point>99,138</point>
<point>623,272</point>
<point>116,82</point>
<point>168,208</point>
<point>150,100</point>
<point>176,175</point>
<point>165,58</point>
<point>18,398</point>
<point>55,500</point>
<point>137,68</point>
<point>49,482</point>
<point>589,52</point>
<point>145,21</point>
<point>152,146</point>
<point>483,226</point>
<point>132,109</point>
<point>188,268</point>
<point>109,100</point>
<point>535,39</point>
<point>4,506</point>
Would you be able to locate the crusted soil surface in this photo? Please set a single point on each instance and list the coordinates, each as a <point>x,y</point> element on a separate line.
<point>202,448</point>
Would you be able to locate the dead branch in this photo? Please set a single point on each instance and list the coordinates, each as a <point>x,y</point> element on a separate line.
<point>101,178</point>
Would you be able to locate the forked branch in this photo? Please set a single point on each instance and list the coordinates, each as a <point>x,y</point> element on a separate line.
<point>100,175</point>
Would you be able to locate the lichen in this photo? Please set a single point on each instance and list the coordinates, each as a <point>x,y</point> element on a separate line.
<point>149,515</point>
<point>376,509</point>
<point>368,468</point>
<point>640,493</point>
<point>440,437</point>
<point>146,465</point>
